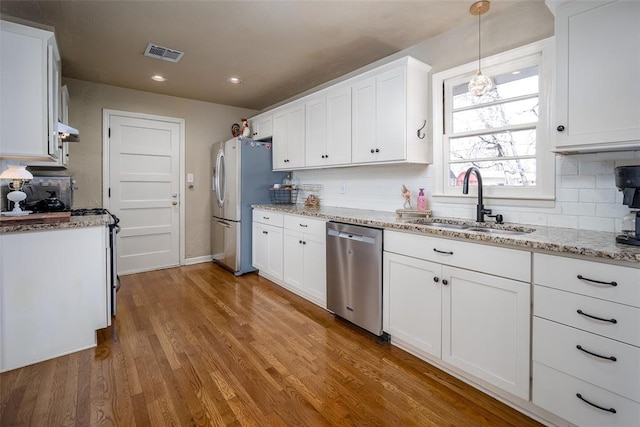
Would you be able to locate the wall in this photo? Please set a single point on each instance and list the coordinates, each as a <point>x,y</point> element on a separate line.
<point>586,197</point>
<point>205,123</point>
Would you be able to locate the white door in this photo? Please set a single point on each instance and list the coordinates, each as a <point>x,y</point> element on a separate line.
<point>144,188</point>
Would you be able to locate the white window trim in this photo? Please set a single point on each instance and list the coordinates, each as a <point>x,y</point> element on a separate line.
<point>545,188</point>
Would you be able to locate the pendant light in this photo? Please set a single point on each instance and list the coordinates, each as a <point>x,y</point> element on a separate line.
<point>480,84</point>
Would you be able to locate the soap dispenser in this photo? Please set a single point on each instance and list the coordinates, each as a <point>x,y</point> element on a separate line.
<point>422,200</point>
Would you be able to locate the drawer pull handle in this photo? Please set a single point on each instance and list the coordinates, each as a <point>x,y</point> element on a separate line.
<point>596,317</point>
<point>579,396</point>
<point>443,252</point>
<point>265,232</point>
<point>612,358</point>
<point>265,217</point>
<point>304,225</point>
<point>581,277</point>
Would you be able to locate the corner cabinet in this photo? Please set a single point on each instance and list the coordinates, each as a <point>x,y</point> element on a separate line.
<point>597,69</point>
<point>262,127</point>
<point>30,87</point>
<point>389,108</point>
<point>465,304</point>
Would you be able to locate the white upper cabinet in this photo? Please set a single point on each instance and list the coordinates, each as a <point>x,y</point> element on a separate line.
<point>389,107</point>
<point>371,118</point>
<point>30,87</point>
<point>262,126</point>
<point>328,128</point>
<point>597,69</point>
<point>288,137</point>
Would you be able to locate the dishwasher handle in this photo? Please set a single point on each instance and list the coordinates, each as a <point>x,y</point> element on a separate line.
<point>351,236</point>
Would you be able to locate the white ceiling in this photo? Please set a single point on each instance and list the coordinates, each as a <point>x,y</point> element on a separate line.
<point>277,48</point>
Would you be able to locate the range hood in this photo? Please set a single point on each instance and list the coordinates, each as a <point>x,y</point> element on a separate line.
<point>67,133</point>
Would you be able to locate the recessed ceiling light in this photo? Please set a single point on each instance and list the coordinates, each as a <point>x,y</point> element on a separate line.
<point>158,78</point>
<point>234,80</point>
<point>515,73</point>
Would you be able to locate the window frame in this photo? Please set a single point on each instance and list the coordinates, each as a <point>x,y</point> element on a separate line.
<point>541,53</point>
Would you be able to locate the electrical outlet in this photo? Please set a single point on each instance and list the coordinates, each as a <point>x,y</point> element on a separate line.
<point>189,177</point>
<point>343,188</point>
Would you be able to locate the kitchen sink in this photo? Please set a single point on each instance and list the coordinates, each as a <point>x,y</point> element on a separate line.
<point>498,229</point>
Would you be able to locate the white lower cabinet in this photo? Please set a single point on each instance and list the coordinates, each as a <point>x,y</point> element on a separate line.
<point>412,302</point>
<point>305,258</point>
<point>586,341</point>
<point>478,323</point>
<point>55,308</point>
<point>290,250</point>
<point>266,248</point>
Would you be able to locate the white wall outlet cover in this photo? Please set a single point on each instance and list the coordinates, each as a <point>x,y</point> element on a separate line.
<point>189,177</point>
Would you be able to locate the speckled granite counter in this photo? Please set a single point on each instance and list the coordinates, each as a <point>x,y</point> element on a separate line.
<point>596,244</point>
<point>74,222</point>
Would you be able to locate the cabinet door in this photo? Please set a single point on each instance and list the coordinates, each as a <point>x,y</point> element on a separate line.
<point>23,104</point>
<point>295,138</point>
<point>364,141</point>
<point>391,114</point>
<point>293,259</point>
<point>486,328</point>
<point>412,301</point>
<point>267,249</point>
<point>315,275</point>
<point>597,68</point>
<point>280,140</point>
<point>338,134</point>
<point>316,131</point>
<point>54,79</point>
<point>262,127</point>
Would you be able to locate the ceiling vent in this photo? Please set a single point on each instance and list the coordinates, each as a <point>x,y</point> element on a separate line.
<point>164,53</point>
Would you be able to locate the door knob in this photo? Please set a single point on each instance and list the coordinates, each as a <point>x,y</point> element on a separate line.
<point>174,203</point>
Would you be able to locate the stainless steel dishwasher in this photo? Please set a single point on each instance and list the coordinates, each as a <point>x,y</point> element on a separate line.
<point>354,274</point>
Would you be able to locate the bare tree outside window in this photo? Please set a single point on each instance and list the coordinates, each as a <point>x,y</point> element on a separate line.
<point>496,132</point>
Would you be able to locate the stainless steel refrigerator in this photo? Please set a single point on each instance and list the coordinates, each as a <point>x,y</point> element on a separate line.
<point>241,177</point>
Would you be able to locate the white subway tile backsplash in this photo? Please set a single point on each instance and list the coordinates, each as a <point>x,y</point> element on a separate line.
<point>579,181</point>
<point>598,195</point>
<point>586,196</point>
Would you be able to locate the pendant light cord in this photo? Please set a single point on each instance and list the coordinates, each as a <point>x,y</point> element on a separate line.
<point>479,40</point>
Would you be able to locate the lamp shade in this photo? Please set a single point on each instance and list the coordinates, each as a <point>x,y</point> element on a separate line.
<point>16,172</point>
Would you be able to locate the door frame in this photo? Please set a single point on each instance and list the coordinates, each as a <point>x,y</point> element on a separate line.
<point>106,147</point>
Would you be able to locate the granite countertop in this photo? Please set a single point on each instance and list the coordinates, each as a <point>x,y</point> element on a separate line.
<point>74,222</point>
<point>597,244</point>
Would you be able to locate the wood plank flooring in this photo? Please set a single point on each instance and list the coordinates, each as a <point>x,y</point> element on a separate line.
<point>195,346</point>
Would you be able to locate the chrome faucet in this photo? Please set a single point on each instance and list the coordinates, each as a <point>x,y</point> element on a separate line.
<point>480,210</point>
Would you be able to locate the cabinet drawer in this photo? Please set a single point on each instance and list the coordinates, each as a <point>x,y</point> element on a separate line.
<point>557,392</point>
<point>555,345</point>
<point>562,307</point>
<point>268,217</point>
<point>317,227</point>
<point>562,273</point>
<point>503,262</point>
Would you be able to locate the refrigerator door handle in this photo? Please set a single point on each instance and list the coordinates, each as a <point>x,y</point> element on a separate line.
<point>218,178</point>
<point>224,224</point>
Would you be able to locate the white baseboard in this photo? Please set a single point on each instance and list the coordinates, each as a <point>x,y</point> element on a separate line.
<point>198,260</point>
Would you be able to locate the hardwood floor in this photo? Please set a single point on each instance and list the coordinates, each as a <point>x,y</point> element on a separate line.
<point>195,346</point>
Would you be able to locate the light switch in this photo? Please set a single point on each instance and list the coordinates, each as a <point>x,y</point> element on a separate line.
<point>189,177</point>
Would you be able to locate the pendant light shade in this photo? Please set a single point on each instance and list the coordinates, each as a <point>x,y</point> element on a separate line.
<point>480,84</point>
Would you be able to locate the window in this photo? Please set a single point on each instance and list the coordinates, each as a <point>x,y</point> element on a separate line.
<point>503,133</point>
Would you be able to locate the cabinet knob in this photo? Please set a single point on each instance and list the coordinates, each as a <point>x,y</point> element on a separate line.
<point>372,151</point>
<point>436,279</point>
<point>377,150</point>
<point>265,232</point>
<point>300,241</point>
<point>560,128</point>
<point>445,282</point>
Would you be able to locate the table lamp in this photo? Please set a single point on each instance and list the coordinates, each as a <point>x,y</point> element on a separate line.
<point>17,174</point>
